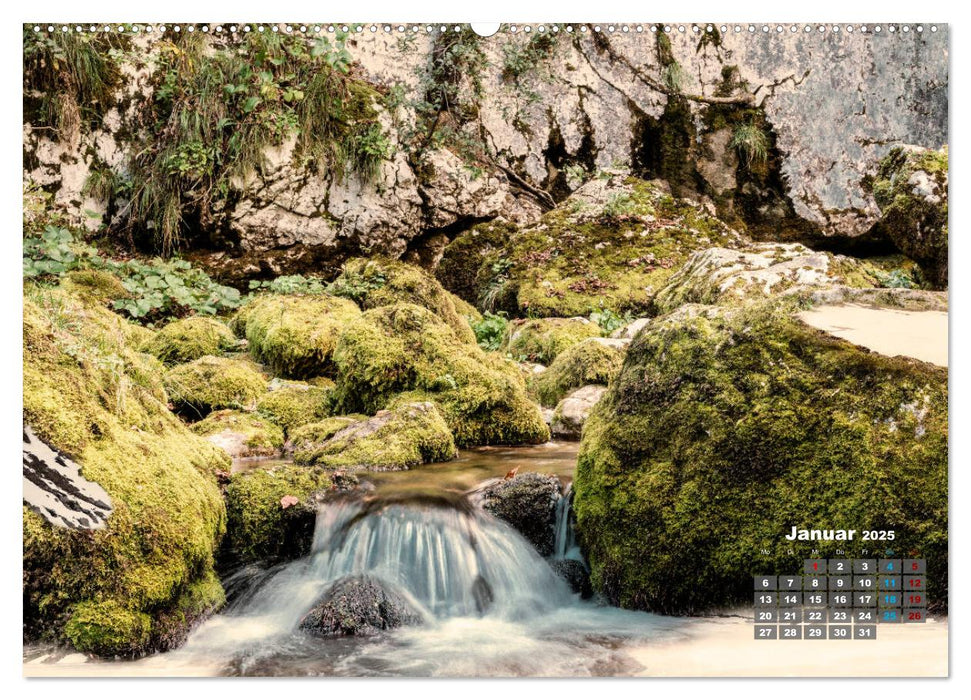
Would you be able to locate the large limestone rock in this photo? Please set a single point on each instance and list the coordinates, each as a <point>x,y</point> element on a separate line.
<point>745,120</point>
<point>725,429</point>
<point>574,409</point>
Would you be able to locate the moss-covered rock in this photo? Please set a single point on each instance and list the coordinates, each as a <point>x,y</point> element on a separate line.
<point>98,286</point>
<point>374,282</point>
<point>724,276</point>
<point>294,335</point>
<point>408,436</point>
<point>465,309</point>
<point>540,340</point>
<point>724,430</point>
<point>263,524</point>
<point>294,405</point>
<point>120,589</point>
<point>406,348</point>
<point>189,339</point>
<point>241,434</point>
<point>464,256</point>
<point>611,245</point>
<point>594,361</point>
<point>911,190</point>
<point>209,383</point>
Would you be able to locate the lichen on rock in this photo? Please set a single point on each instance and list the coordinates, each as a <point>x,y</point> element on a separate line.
<point>407,436</point>
<point>402,348</point>
<point>725,428</point>
<point>118,590</point>
<point>189,339</point>
<point>295,335</point>
<point>210,383</point>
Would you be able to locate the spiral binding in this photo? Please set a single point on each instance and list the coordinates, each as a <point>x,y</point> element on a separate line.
<point>754,29</point>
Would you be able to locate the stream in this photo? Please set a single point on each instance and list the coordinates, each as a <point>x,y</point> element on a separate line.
<point>421,534</point>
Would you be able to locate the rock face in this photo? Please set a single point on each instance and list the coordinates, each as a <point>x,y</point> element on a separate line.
<point>720,275</point>
<point>358,606</point>
<point>724,429</point>
<point>54,487</point>
<point>911,190</point>
<point>743,121</point>
<point>574,409</point>
<point>528,503</point>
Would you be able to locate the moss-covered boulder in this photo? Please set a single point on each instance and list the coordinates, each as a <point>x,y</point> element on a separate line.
<point>98,286</point>
<point>294,335</point>
<point>271,513</point>
<point>594,361</point>
<point>210,383</point>
<point>725,430</point>
<point>611,245</point>
<point>141,581</point>
<point>241,434</point>
<point>189,339</point>
<point>461,265</point>
<point>374,282</point>
<point>910,188</point>
<point>540,340</point>
<point>408,436</point>
<point>725,276</point>
<point>293,405</point>
<point>406,348</point>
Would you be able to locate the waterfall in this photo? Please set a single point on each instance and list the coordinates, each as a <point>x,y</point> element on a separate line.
<point>451,560</point>
<point>565,543</point>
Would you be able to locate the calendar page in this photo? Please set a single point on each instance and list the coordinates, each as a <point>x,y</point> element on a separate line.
<point>396,349</point>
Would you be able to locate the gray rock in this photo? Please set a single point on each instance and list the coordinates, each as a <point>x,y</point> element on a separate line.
<point>575,574</point>
<point>54,488</point>
<point>631,329</point>
<point>528,503</point>
<point>358,606</point>
<point>574,409</point>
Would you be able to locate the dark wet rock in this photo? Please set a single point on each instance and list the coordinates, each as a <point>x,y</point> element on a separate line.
<point>483,594</point>
<point>528,503</point>
<point>358,606</point>
<point>54,488</point>
<point>575,574</point>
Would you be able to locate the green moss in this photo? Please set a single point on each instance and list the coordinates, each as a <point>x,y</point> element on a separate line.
<point>612,245</point>
<point>292,406</point>
<point>107,629</point>
<point>203,385</point>
<point>259,526</point>
<point>304,437</point>
<point>911,189</point>
<point>95,285</point>
<point>257,436</point>
<point>374,282</point>
<point>189,339</point>
<point>720,434</point>
<point>408,436</point>
<point>406,348</point>
<point>542,339</point>
<point>87,393</point>
<point>589,362</point>
<point>465,309</point>
<point>295,335</point>
<point>465,254</point>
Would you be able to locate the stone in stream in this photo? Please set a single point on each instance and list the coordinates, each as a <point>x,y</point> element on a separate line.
<point>572,412</point>
<point>358,606</point>
<point>575,574</point>
<point>528,503</point>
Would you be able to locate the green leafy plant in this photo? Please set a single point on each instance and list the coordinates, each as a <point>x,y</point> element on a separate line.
<point>899,278</point>
<point>490,331</point>
<point>609,320</point>
<point>751,142</point>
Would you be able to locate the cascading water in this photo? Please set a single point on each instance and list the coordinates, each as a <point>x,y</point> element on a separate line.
<point>565,544</point>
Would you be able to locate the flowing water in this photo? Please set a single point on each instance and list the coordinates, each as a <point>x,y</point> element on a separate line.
<point>490,605</point>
